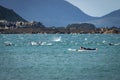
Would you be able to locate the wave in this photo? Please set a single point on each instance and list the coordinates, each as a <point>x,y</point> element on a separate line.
<point>70,49</point>
<point>34,43</point>
<point>57,39</point>
<point>8,43</point>
<point>117,44</point>
<point>40,43</point>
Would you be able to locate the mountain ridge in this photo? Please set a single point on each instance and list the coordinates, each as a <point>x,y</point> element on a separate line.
<point>49,12</point>
<point>108,20</point>
<point>115,13</point>
<point>9,15</point>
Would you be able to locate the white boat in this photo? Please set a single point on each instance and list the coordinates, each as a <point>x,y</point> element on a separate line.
<point>79,50</point>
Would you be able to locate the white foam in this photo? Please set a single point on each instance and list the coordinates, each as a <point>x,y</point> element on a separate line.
<point>34,43</point>
<point>57,39</point>
<point>103,41</point>
<point>86,39</point>
<point>8,43</point>
<point>117,44</point>
<point>43,43</point>
<point>49,44</point>
<point>69,49</point>
<point>40,43</point>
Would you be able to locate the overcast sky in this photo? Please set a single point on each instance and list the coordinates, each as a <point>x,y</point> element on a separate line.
<point>96,7</point>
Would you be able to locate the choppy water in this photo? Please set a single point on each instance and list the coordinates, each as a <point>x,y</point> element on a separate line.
<point>54,57</point>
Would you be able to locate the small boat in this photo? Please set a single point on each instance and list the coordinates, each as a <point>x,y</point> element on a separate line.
<point>87,49</point>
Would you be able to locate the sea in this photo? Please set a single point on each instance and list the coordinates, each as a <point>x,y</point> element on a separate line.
<point>57,57</point>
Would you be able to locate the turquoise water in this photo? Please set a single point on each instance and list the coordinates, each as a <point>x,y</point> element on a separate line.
<point>54,57</point>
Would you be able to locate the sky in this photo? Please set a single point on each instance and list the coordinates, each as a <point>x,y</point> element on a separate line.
<point>96,8</point>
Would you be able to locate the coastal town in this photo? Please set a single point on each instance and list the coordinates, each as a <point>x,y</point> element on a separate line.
<point>34,27</point>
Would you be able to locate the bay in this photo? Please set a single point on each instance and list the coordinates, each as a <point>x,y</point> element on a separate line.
<point>55,57</point>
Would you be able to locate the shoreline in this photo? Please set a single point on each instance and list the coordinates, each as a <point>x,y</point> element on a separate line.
<point>56,31</point>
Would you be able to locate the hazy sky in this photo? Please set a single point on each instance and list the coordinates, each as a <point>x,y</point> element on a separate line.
<point>96,7</point>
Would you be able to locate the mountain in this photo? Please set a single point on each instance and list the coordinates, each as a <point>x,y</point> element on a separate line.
<point>58,13</point>
<point>9,15</point>
<point>49,12</point>
<point>115,13</point>
<point>109,20</point>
